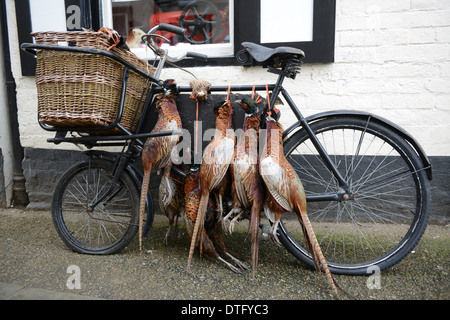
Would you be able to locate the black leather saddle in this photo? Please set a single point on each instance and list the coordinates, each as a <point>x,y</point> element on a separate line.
<point>264,54</point>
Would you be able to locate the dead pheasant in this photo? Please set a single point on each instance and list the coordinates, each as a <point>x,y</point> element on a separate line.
<point>192,195</point>
<point>157,150</point>
<point>171,200</point>
<point>285,191</point>
<point>200,89</point>
<point>216,160</point>
<point>212,244</point>
<point>248,185</point>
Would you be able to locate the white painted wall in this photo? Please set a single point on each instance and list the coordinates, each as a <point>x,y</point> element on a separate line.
<point>392,59</point>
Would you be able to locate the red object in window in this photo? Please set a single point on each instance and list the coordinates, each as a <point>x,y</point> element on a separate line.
<point>203,22</point>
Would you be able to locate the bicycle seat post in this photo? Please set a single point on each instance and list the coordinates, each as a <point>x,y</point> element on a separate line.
<point>278,87</point>
<point>290,66</point>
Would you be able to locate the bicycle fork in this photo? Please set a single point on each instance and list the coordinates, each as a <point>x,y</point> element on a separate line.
<point>119,165</point>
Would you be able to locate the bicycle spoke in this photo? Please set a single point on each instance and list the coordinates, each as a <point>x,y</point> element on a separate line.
<point>312,166</point>
<point>386,182</point>
<point>387,237</point>
<point>315,176</point>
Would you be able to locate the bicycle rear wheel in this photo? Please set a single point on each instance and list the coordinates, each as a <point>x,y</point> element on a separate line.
<point>389,213</point>
<point>112,225</point>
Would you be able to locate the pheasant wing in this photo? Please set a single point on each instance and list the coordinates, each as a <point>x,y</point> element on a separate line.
<point>276,181</point>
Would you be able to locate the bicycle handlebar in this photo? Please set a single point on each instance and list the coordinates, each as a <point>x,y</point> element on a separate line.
<point>148,39</point>
<point>171,28</point>
<point>197,55</point>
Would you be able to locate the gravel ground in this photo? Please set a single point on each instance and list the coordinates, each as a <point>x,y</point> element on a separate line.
<point>32,254</point>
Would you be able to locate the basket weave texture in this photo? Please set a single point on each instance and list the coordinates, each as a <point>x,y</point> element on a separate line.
<point>78,89</point>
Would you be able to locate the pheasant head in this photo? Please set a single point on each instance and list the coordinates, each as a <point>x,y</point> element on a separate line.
<point>274,115</point>
<point>249,105</point>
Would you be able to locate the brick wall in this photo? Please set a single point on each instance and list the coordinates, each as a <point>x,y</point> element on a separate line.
<point>391,58</point>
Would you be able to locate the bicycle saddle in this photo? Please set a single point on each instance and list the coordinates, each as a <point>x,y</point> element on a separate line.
<point>262,54</point>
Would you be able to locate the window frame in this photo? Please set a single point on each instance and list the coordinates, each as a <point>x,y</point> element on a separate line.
<point>321,49</point>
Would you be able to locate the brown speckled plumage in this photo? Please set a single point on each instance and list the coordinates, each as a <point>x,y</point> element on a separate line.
<point>171,199</point>
<point>156,151</point>
<point>248,185</point>
<point>212,243</point>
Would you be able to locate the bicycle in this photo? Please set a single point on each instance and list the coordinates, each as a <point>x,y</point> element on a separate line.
<point>366,179</point>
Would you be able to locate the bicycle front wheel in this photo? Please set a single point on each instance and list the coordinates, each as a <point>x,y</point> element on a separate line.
<point>112,224</point>
<point>389,210</point>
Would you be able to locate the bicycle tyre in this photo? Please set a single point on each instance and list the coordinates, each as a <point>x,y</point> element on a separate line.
<point>386,175</point>
<point>113,223</point>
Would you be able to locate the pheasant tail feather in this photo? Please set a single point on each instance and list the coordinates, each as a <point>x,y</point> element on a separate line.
<point>144,189</point>
<point>254,220</point>
<point>198,227</point>
<point>313,246</point>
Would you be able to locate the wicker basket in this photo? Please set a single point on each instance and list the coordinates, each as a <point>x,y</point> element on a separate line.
<point>83,90</point>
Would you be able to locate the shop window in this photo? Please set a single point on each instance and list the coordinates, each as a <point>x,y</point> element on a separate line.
<point>207,24</point>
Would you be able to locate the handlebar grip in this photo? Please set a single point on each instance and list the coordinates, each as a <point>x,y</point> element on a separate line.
<point>172,28</point>
<point>197,55</point>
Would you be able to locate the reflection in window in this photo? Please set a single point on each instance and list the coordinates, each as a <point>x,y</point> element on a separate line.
<point>206,22</point>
